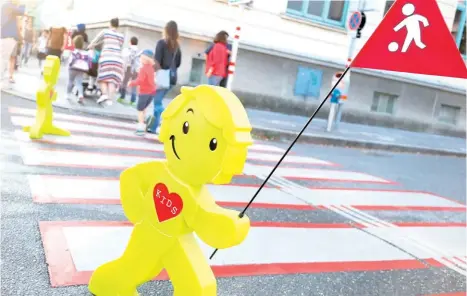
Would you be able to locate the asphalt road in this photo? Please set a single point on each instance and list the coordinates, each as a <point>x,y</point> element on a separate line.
<point>26,272</point>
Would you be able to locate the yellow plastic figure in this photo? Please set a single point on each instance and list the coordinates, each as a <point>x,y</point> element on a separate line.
<point>206,133</point>
<point>45,95</point>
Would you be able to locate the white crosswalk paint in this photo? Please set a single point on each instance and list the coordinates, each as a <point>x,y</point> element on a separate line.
<point>72,126</point>
<point>377,198</point>
<point>418,247</point>
<point>447,242</point>
<point>314,174</point>
<point>43,157</point>
<point>99,121</point>
<point>57,188</point>
<point>34,156</point>
<point>88,141</point>
<point>92,246</point>
<point>68,117</point>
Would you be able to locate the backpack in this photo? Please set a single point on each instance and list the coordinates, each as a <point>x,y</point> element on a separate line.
<point>132,59</point>
<point>80,61</point>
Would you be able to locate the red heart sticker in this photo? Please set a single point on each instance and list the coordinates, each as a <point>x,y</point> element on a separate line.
<point>168,205</point>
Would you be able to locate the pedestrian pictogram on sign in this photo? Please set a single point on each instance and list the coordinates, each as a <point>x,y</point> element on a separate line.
<point>412,23</point>
<point>355,20</point>
<point>413,38</point>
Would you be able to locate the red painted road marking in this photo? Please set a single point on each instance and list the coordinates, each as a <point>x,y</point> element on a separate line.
<point>63,271</point>
<point>449,294</point>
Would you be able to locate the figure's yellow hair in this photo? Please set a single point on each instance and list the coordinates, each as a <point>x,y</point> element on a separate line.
<point>222,109</point>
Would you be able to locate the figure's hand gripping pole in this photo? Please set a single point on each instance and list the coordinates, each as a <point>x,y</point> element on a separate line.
<point>288,149</point>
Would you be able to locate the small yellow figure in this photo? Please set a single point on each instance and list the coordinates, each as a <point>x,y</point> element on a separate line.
<point>45,95</point>
<point>206,134</point>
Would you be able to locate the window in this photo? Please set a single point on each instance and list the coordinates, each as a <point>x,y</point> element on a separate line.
<point>383,103</point>
<point>197,71</point>
<point>387,6</point>
<point>458,28</point>
<point>308,82</point>
<point>329,12</point>
<point>449,114</point>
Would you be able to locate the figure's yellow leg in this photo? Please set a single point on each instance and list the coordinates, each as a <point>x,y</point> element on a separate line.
<point>53,130</point>
<point>35,131</point>
<point>140,262</point>
<point>49,127</point>
<point>189,270</point>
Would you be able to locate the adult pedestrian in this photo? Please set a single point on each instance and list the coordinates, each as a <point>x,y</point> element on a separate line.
<point>223,82</point>
<point>168,58</point>
<point>10,36</point>
<point>81,31</point>
<point>56,42</point>
<point>217,60</point>
<point>28,41</point>
<point>110,73</point>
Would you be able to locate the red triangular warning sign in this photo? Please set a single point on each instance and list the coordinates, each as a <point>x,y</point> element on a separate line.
<point>413,38</point>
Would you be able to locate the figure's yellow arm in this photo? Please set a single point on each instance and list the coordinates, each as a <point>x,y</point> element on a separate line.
<point>218,227</point>
<point>42,97</point>
<point>134,184</point>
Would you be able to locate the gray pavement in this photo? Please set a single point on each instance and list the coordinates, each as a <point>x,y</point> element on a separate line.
<point>23,259</point>
<point>273,124</point>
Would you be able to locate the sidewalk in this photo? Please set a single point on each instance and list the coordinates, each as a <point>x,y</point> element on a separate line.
<point>268,123</point>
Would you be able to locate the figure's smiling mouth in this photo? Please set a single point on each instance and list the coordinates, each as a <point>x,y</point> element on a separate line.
<point>172,138</point>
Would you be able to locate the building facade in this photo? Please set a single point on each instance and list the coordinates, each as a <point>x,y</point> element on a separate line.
<point>290,51</point>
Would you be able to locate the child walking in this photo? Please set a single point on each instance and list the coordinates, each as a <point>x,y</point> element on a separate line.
<point>80,62</point>
<point>130,55</point>
<point>92,88</point>
<point>147,87</point>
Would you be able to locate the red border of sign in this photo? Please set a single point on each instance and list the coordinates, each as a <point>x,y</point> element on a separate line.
<point>358,25</point>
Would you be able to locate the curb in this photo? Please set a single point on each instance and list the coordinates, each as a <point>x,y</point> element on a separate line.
<point>340,142</point>
<point>284,135</point>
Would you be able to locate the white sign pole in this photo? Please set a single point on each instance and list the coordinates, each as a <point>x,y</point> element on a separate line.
<point>345,91</point>
<point>234,53</point>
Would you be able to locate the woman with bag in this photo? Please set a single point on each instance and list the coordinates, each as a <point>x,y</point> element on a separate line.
<point>168,58</point>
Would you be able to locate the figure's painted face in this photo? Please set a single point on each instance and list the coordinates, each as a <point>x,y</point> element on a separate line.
<point>194,148</point>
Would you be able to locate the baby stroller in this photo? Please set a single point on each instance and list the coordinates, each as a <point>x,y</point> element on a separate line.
<point>91,90</point>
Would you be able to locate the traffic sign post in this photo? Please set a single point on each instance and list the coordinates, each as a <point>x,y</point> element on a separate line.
<point>355,24</point>
<point>355,20</point>
<point>236,41</point>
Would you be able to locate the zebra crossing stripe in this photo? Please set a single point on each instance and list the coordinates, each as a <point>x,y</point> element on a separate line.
<point>74,249</point>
